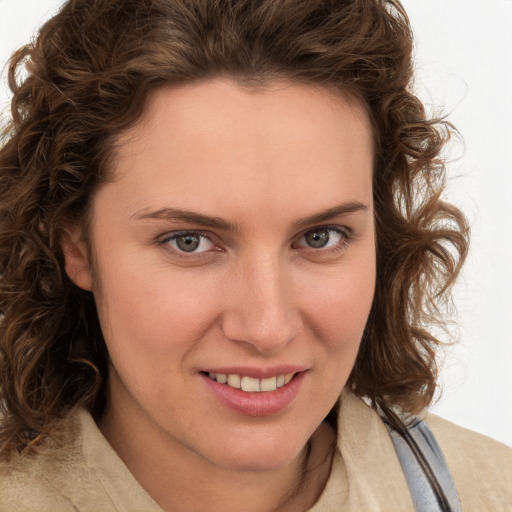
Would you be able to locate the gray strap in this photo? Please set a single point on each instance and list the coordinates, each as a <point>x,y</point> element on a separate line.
<point>428,477</point>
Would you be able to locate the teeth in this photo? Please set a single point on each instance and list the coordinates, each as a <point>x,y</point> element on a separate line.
<point>222,378</point>
<point>250,384</point>
<point>234,381</point>
<point>269,384</point>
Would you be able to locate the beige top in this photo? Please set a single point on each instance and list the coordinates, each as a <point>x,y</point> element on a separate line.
<point>86,475</point>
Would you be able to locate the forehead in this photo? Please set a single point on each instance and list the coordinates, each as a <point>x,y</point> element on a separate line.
<point>215,142</point>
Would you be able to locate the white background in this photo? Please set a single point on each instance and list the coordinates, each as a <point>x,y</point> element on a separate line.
<point>464,64</point>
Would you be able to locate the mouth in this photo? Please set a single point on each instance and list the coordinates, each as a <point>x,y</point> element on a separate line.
<point>251,384</point>
<point>255,392</point>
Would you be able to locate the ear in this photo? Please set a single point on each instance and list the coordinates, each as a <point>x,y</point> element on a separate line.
<point>76,261</point>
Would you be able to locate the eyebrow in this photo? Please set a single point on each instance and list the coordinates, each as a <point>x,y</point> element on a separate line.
<point>331,213</point>
<point>176,214</point>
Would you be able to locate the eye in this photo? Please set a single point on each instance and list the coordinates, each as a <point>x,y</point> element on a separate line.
<point>189,242</point>
<point>323,238</point>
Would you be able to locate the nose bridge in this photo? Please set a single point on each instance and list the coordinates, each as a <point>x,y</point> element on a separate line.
<point>262,311</point>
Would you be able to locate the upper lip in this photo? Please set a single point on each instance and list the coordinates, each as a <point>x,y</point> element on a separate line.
<point>256,372</point>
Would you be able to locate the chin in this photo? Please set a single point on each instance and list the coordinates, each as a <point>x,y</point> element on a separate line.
<point>259,454</point>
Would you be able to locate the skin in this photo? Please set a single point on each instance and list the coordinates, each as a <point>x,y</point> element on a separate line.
<point>254,293</point>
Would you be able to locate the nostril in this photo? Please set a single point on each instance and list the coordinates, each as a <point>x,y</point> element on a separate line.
<point>264,336</point>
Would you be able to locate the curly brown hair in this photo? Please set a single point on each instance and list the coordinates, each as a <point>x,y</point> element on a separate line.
<point>87,78</point>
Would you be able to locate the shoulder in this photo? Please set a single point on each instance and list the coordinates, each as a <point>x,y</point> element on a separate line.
<point>56,479</point>
<point>28,488</point>
<point>481,467</point>
<point>34,482</point>
<point>78,470</point>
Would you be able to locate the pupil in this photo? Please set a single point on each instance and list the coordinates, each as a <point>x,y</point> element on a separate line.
<point>317,239</point>
<point>188,243</point>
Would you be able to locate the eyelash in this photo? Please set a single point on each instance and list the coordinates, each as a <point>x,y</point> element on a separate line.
<point>346,237</point>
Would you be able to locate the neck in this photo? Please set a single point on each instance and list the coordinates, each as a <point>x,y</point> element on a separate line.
<point>179,479</point>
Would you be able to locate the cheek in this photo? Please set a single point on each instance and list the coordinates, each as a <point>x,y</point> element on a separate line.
<point>151,315</point>
<point>337,317</point>
<point>338,307</point>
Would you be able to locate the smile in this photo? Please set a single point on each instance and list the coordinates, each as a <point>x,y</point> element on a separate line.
<point>250,384</point>
<point>244,393</point>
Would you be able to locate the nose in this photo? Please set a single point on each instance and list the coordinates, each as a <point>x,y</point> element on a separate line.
<point>262,308</point>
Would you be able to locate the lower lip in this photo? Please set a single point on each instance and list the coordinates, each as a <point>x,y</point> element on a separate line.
<point>264,403</point>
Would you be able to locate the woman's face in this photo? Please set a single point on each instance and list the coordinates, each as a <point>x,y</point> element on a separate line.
<point>235,243</point>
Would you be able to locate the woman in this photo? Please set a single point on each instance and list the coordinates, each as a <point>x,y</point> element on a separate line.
<point>221,227</point>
